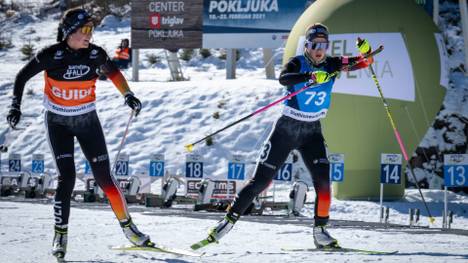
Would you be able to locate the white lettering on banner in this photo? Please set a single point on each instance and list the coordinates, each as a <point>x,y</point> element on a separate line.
<point>392,67</point>
<point>236,6</point>
<point>165,33</point>
<point>380,71</point>
<point>76,71</point>
<point>71,94</point>
<point>171,21</point>
<point>238,16</point>
<point>175,6</point>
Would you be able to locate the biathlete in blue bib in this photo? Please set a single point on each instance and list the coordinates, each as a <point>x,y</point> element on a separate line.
<point>299,128</point>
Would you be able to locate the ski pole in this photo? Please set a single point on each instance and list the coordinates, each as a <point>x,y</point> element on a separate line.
<point>398,137</point>
<point>4,145</point>
<point>122,142</point>
<point>189,147</point>
<point>7,134</point>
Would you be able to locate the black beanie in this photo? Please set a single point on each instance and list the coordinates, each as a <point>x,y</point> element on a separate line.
<point>317,30</point>
<point>71,21</point>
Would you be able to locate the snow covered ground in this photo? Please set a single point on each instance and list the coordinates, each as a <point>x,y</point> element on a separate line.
<point>26,232</point>
<point>177,113</point>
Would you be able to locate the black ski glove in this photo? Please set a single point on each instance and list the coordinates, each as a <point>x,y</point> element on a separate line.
<point>14,115</point>
<point>133,103</point>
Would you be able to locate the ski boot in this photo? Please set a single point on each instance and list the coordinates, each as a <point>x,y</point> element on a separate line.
<point>134,235</point>
<point>222,227</point>
<point>59,244</point>
<point>323,239</point>
<point>216,233</point>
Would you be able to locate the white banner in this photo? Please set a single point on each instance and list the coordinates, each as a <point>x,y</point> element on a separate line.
<point>392,66</point>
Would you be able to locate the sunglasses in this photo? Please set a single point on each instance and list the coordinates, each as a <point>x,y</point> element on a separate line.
<point>317,45</point>
<point>86,29</point>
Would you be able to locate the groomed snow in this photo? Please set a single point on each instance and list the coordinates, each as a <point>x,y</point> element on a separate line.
<point>27,230</point>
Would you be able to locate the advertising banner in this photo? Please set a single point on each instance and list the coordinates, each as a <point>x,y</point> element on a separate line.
<point>249,23</point>
<point>222,188</point>
<point>167,24</point>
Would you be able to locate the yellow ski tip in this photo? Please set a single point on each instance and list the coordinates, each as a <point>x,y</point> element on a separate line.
<point>189,147</point>
<point>431,220</point>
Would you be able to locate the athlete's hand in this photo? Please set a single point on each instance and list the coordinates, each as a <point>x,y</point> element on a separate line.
<point>133,103</point>
<point>14,115</point>
<point>363,46</point>
<point>320,76</point>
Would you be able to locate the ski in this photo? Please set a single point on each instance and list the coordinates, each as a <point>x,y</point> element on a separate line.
<point>203,243</point>
<point>158,249</point>
<point>341,249</point>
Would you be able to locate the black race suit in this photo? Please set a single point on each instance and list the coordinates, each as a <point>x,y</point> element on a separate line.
<point>69,98</point>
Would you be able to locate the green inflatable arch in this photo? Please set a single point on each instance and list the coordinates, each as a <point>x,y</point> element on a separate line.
<point>357,125</point>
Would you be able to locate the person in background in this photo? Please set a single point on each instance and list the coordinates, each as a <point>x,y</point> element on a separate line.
<point>123,54</point>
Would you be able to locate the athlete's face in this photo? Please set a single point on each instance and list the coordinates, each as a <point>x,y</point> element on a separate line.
<point>317,49</point>
<point>82,37</point>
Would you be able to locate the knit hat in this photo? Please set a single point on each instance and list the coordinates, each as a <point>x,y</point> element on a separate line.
<point>315,31</point>
<point>71,21</point>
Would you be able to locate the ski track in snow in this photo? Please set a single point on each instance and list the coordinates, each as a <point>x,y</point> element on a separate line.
<point>26,237</point>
